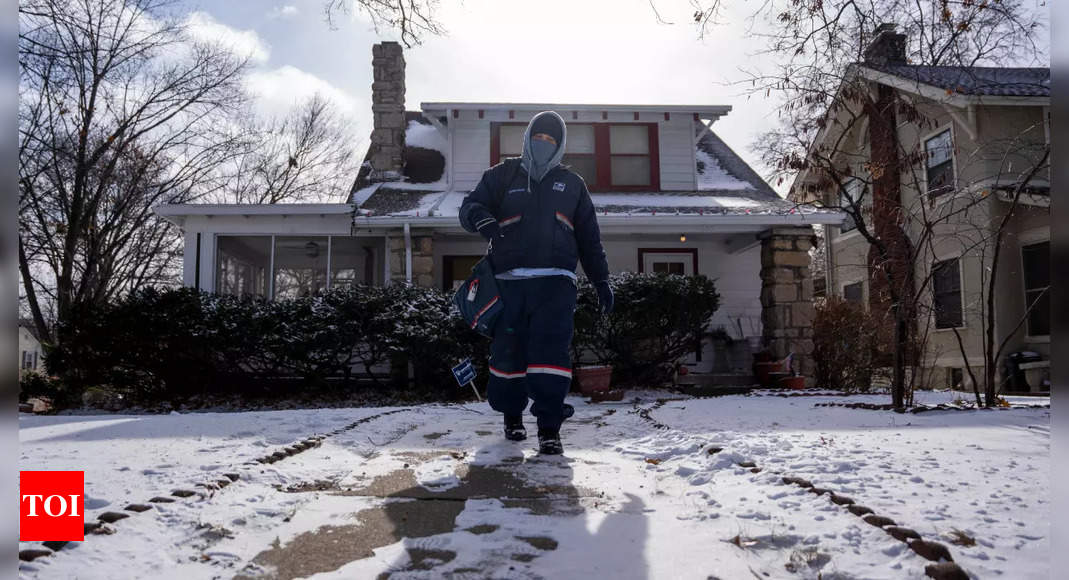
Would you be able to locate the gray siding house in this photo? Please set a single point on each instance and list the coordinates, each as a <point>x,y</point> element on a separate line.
<point>980,131</point>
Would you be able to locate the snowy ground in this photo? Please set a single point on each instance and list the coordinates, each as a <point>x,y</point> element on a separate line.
<point>434,491</point>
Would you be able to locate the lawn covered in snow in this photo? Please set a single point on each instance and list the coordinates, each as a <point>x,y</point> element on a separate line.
<point>641,492</point>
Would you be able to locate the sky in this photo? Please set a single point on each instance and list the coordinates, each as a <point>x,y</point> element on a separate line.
<point>553,51</point>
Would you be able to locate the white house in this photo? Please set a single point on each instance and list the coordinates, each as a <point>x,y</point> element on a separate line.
<point>671,196</point>
<point>31,357</point>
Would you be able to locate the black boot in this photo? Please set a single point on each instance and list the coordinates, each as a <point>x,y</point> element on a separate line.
<point>514,430</point>
<point>549,442</point>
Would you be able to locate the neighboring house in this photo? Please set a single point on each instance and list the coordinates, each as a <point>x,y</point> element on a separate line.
<point>981,129</point>
<point>670,195</point>
<point>31,355</point>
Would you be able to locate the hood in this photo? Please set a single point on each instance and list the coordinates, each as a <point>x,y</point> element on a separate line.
<point>545,122</point>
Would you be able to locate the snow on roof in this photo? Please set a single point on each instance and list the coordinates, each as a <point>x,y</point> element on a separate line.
<point>389,201</point>
<point>427,136</point>
<point>712,176</point>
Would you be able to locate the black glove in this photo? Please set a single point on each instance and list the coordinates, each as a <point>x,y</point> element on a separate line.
<point>489,229</point>
<point>605,297</point>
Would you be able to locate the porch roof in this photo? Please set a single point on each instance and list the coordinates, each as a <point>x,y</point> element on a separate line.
<point>733,212</point>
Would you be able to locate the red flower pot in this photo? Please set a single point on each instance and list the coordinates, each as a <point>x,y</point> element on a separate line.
<point>593,379</point>
<point>762,371</point>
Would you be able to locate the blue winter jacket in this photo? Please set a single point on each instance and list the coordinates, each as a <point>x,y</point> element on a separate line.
<point>552,225</point>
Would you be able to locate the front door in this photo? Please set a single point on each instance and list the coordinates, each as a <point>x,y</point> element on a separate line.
<point>681,263</point>
<point>456,269</point>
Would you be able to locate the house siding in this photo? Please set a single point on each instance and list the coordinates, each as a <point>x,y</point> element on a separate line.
<point>470,152</point>
<point>677,153</point>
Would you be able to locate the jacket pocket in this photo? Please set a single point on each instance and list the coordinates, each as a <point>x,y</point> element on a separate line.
<point>565,249</point>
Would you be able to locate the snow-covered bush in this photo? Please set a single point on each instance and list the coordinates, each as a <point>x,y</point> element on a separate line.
<point>657,320</point>
<point>430,334</point>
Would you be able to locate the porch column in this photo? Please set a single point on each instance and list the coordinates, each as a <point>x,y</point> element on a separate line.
<point>422,260</point>
<point>787,295</point>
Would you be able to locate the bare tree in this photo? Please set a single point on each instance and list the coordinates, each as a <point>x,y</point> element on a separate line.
<point>306,156</point>
<point>119,110</point>
<point>829,110</point>
<point>413,19</point>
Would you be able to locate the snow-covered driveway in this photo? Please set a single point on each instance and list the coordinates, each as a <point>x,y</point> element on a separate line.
<point>650,488</point>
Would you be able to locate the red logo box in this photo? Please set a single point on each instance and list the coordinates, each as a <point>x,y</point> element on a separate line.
<point>52,506</point>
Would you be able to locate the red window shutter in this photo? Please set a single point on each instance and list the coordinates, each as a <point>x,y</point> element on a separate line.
<point>495,143</point>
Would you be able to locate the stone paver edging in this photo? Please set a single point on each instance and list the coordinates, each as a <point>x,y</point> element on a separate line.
<point>102,527</point>
<point>927,549</point>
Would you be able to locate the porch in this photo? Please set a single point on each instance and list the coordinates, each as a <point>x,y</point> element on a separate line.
<point>761,270</point>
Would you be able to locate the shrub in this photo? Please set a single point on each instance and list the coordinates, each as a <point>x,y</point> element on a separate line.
<point>156,345</point>
<point>847,342</point>
<point>657,320</point>
<point>432,336</point>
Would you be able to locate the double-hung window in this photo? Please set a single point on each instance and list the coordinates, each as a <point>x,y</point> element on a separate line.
<point>939,163</point>
<point>609,156</point>
<point>946,290</point>
<point>1036,262</point>
<point>854,293</point>
<point>851,199</point>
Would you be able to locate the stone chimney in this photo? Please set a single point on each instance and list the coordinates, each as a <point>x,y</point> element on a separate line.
<point>388,107</point>
<point>887,46</point>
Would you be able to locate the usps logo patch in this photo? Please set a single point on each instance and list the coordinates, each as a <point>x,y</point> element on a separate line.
<point>558,186</point>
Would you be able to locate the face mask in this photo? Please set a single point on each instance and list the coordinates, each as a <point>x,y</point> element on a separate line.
<point>542,152</point>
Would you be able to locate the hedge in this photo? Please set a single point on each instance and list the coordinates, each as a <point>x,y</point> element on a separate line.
<point>159,345</point>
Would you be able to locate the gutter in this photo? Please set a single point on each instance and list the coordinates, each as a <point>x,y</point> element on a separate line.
<point>824,218</point>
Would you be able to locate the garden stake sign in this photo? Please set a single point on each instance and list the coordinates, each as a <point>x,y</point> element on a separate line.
<point>465,375</point>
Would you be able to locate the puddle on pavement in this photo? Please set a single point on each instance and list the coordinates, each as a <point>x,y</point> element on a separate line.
<point>412,511</point>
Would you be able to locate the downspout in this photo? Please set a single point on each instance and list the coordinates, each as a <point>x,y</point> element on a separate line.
<point>386,258</point>
<point>829,265</point>
<point>408,253</point>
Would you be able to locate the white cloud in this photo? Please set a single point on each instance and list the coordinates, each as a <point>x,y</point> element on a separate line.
<point>278,90</point>
<point>246,43</point>
<point>283,12</point>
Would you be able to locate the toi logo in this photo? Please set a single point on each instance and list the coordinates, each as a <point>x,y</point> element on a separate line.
<point>51,506</point>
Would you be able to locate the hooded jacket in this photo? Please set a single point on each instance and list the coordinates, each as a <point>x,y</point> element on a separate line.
<point>546,217</point>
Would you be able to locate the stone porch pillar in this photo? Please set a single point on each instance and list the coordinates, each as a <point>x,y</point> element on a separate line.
<point>787,295</point>
<point>422,260</point>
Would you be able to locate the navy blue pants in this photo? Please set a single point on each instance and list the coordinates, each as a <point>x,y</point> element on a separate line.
<point>530,356</point>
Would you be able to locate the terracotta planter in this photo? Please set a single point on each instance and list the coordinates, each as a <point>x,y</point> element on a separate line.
<point>794,383</point>
<point>593,379</point>
<point>762,371</point>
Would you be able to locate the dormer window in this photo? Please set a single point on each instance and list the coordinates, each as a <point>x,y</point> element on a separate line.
<point>609,156</point>
<point>939,163</point>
